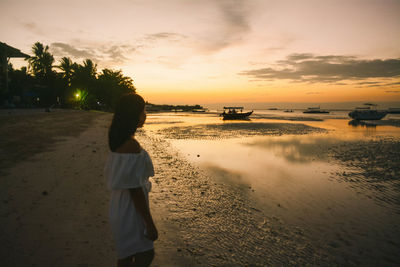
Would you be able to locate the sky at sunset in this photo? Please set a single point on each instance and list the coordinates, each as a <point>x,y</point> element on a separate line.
<point>211,51</point>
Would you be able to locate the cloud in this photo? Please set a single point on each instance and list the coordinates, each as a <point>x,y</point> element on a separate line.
<point>377,84</point>
<point>368,83</point>
<point>32,27</point>
<point>327,69</point>
<point>235,15</point>
<point>106,54</point>
<point>313,93</point>
<point>68,50</point>
<point>170,36</point>
<point>393,91</point>
<point>230,28</point>
<point>115,54</point>
<point>396,83</point>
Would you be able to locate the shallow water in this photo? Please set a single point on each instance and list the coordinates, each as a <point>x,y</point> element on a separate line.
<point>295,178</point>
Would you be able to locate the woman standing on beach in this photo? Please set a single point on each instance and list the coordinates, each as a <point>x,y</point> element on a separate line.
<point>128,169</point>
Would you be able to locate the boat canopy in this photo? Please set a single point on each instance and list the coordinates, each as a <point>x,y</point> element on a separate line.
<point>233,107</point>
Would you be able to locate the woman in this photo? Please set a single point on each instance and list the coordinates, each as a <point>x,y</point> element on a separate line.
<point>127,170</point>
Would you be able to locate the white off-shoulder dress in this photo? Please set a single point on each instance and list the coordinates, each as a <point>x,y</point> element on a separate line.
<point>124,171</point>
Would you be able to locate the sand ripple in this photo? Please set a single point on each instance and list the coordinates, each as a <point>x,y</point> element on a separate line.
<point>240,129</point>
<point>375,165</point>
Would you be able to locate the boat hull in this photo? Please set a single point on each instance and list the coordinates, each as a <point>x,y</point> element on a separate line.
<point>236,116</point>
<point>367,114</point>
<point>316,112</point>
<point>394,110</point>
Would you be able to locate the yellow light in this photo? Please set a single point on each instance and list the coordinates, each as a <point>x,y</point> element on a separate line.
<point>77,95</point>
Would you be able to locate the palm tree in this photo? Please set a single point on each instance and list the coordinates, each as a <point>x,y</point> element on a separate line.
<point>41,65</point>
<point>84,82</point>
<point>42,61</point>
<point>111,85</point>
<point>84,75</point>
<point>90,68</point>
<point>66,66</point>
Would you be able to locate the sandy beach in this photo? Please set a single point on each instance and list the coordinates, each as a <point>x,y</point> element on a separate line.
<point>54,209</point>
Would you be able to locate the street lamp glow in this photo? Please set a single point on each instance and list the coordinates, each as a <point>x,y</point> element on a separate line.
<point>77,95</point>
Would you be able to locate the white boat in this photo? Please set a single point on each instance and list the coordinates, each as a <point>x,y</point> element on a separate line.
<point>367,113</point>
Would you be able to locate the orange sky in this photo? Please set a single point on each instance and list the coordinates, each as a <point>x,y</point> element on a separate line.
<point>224,51</point>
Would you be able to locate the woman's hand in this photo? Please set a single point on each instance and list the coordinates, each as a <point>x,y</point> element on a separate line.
<point>152,232</point>
<point>142,207</point>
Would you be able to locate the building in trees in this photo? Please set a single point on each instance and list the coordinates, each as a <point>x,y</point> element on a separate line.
<point>7,52</point>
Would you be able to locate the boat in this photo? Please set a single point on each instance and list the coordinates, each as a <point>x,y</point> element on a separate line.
<point>394,111</point>
<point>316,110</point>
<point>233,113</point>
<point>273,109</point>
<point>200,110</point>
<point>288,110</point>
<point>367,113</point>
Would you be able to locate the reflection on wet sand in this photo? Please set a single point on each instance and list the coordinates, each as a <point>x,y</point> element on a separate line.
<point>295,149</point>
<point>356,123</point>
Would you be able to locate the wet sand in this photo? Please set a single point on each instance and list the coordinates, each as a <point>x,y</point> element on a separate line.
<point>55,204</point>
<point>344,199</point>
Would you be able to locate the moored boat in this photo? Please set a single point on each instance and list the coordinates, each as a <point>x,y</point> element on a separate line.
<point>200,110</point>
<point>317,110</point>
<point>234,114</point>
<point>366,113</point>
<point>394,110</point>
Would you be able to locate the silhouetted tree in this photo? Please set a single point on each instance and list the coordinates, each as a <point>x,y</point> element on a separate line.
<point>41,65</point>
<point>84,81</point>
<point>42,61</point>
<point>66,66</point>
<point>111,85</point>
<point>77,84</point>
<point>67,71</point>
<point>20,86</point>
<point>84,75</point>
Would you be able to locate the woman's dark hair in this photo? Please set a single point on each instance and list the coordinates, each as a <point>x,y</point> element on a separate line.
<point>125,120</point>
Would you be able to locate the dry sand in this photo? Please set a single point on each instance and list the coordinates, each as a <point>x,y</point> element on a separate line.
<point>54,209</point>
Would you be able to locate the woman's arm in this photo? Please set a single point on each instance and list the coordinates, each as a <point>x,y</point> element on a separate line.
<point>139,200</point>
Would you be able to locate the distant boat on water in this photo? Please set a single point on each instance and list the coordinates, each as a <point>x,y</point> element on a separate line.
<point>272,109</point>
<point>288,110</point>
<point>201,110</point>
<point>367,113</point>
<point>317,110</point>
<point>394,110</point>
<point>234,114</point>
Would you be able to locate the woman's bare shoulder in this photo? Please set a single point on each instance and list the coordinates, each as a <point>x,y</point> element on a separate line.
<point>130,146</point>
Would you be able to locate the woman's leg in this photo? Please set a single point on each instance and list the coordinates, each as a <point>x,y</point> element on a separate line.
<point>127,262</point>
<point>143,259</point>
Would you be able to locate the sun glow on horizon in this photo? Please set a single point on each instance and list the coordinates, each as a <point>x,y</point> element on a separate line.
<point>224,51</point>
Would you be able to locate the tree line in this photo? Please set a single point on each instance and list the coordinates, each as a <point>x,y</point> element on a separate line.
<point>46,83</point>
